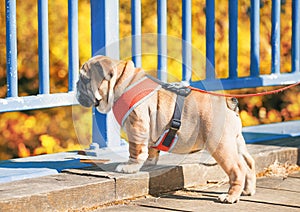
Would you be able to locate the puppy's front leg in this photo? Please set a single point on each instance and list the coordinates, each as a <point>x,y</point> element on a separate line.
<point>153,156</point>
<point>138,154</point>
<point>137,128</point>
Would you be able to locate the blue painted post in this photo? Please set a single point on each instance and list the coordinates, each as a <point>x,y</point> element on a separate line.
<point>105,37</point>
<point>296,36</point>
<point>11,49</point>
<point>254,21</point>
<point>210,39</point>
<point>162,59</point>
<point>43,41</point>
<point>275,37</point>
<point>233,38</point>
<point>105,28</point>
<point>73,43</point>
<point>186,40</point>
<point>136,32</point>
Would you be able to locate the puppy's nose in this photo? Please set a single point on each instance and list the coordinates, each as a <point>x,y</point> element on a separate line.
<point>97,102</point>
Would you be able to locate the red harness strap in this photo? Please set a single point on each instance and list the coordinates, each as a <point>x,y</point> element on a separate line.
<point>132,97</point>
<point>159,145</point>
<point>137,94</point>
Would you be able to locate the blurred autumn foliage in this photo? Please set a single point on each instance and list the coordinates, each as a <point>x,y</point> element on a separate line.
<point>36,132</point>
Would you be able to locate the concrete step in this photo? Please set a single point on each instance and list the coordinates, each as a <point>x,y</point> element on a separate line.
<point>91,186</point>
<point>43,165</point>
<point>273,193</point>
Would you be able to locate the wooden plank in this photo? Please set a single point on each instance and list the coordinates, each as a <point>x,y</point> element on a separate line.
<point>60,192</point>
<point>280,183</point>
<point>295,175</point>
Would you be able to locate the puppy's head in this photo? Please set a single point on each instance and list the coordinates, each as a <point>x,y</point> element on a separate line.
<point>97,80</point>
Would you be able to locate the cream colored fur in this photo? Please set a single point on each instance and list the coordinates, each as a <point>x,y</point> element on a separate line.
<point>208,121</point>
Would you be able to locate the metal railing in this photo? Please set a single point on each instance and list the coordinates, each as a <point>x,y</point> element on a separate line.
<point>44,99</point>
<point>105,31</point>
<point>255,79</point>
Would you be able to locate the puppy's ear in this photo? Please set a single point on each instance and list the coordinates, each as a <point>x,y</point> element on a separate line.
<point>129,66</point>
<point>99,67</point>
<point>108,67</point>
<point>126,69</point>
<point>125,72</point>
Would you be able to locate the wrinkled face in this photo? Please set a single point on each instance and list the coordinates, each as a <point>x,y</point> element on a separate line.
<point>96,82</point>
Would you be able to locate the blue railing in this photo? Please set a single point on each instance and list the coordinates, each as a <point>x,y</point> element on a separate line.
<point>255,79</point>
<point>44,99</point>
<point>11,49</point>
<point>105,32</point>
<point>210,82</point>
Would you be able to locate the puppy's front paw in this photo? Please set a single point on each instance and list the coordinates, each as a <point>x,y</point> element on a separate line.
<point>129,167</point>
<point>225,198</point>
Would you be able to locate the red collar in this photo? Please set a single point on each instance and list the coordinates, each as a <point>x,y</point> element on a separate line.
<point>133,96</point>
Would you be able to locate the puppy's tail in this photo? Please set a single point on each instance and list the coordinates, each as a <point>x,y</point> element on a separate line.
<point>232,104</point>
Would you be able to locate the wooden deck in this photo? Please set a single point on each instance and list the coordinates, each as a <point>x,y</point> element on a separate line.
<point>80,187</point>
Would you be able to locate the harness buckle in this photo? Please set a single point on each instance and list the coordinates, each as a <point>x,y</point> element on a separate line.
<point>175,124</point>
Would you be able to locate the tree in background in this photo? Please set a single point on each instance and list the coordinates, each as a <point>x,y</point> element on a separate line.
<point>52,130</point>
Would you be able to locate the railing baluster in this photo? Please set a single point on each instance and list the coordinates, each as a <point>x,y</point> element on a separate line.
<point>105,41</point>
<point>254,21</point>
<point>295,36</point>
<point>43,46</point>
<point>11,49</point>
<point>162,58</point>
<point>275,37</point>
<point>136,22</point>
<point>233,37</point>
<point>73,43</point>
<point>210,39</point>
<point>186,40</point>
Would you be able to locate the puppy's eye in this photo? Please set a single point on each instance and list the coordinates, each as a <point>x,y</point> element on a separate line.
<point>109,76</point>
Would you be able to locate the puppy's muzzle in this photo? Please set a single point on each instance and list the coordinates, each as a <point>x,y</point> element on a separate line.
<point>84,94</point>
<point>84,100</point>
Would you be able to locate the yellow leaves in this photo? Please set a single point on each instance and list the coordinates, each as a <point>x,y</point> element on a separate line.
<point>74,146</point>
<point>248,119</point>
<point>49,145</point>
<point>23,151</point>
<point>30,122</point>
<point>62,73</point>
<point>39,150</point>
<point>52,130</point>
<point>41,131</point>
<point>279,107</point>
<point>254,101</point>
<point>84,30</point>
<point>274,116</point>
<point>48,142</point>
<point>294,109</point>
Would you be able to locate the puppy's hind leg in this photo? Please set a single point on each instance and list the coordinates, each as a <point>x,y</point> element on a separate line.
<point>250,181</point>
<point>227,156</point>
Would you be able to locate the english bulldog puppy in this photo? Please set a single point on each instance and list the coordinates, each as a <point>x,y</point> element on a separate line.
<point>207,121</point>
